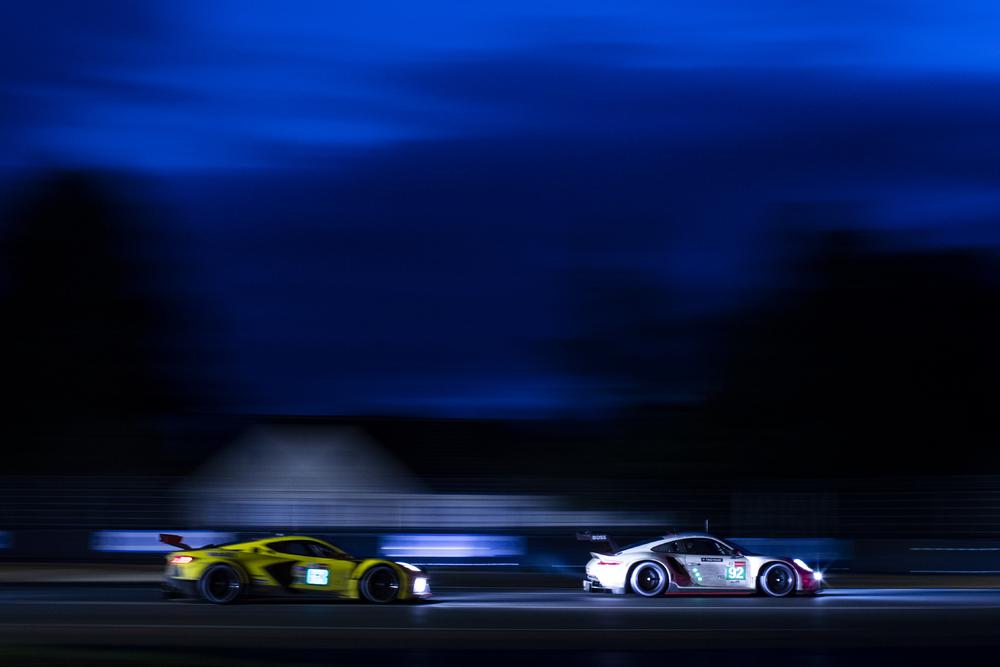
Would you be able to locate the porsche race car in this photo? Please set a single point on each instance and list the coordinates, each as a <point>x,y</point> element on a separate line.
<point>694,563</point>
<point>286,566</point>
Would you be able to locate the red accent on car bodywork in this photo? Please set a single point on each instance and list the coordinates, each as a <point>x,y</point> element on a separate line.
<point>809,582</point>
<point>735,591</point>
<point>678,573</point>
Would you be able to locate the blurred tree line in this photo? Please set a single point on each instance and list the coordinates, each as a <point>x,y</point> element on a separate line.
<point>862,358</point>
<point>871,360</point>
<point>87,335</point>
<point>865,358</point>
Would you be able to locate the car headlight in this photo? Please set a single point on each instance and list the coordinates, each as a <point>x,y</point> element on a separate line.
<point>801,563</point>
<point>420,585</point>
<point>411,568</point>
<point>818,576</point>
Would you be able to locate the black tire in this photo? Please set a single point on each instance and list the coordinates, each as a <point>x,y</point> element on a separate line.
<point>648,579</point>
<point>379,585</point>
<point>220,584</point>
<point>777,580</point>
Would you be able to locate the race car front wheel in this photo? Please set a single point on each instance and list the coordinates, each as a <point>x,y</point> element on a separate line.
<point>777,580</point>
<point>220,584</point>
<point>380,585</point>
<point>648,579</point>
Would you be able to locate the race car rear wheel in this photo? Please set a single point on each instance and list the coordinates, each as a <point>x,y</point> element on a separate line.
<point>220,584</point>
<point>648,579</point>
<point>777,580</point>
<point>380,585</point>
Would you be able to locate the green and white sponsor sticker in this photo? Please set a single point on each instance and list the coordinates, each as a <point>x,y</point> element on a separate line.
<point>736,572</point>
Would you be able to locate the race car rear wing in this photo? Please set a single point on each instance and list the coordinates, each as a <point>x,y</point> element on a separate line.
<point>173,540</point>
<point>588,536</point>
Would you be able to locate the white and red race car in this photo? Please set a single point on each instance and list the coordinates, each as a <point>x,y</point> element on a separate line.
<point>694,563</point>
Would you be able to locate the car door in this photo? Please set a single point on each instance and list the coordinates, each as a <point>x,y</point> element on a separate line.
<point>705,562</point>
<point>735,568</point>
<point>339,565</point>
<point>314,566</point>
<point>737,571</point>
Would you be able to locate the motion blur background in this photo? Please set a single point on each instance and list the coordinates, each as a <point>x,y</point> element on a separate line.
<point>452,281</point>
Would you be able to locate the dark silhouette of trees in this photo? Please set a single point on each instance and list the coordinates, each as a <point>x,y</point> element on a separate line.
<point>84,364</point>
<point>870,360</point>
<point>867,357</point>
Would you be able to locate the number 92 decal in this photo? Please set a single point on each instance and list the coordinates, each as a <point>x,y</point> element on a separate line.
<point>736,572</point>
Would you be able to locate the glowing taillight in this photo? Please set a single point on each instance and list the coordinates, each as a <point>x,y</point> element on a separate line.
<point>181,560</point>
<point>609,562</point>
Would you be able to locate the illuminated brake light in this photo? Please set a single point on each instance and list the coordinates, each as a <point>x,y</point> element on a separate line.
<point>181,560</point>
<point>609,562</point>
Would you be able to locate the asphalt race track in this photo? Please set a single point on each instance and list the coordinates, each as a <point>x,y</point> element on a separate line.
<point>924,626</point>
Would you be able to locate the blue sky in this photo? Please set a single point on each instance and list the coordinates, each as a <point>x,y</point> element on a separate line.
<point>258,84</point>
<point>384,206</point>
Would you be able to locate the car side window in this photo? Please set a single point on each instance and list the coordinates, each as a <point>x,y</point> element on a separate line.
<point>723,549</point>
<point>703,547</point>
<point>672,547</point>
<point>293,548</point>
<point>322,551</point>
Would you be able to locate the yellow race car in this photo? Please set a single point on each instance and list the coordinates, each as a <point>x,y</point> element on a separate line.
<point>286,566</point>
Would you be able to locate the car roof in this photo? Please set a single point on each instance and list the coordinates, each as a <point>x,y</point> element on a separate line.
<point>689,534</point>
<point>276,538</point>
<point>670,537</point>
